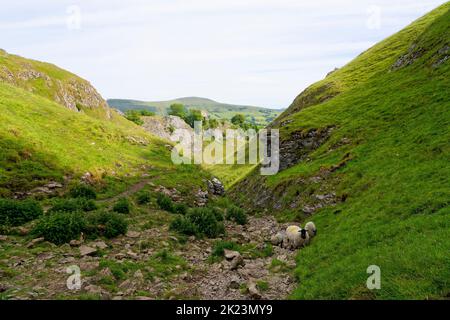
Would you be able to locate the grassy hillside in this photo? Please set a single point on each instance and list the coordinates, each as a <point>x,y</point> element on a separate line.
<point>376,176</point>
<point>54,126</point>
<point>216,110</point>
<point>53,83</point>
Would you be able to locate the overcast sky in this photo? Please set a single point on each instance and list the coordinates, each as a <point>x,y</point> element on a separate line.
<point>256,52</point>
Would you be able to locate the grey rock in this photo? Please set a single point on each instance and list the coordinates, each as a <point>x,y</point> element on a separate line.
<point>229,254</point>
<point>237,262</point>
<point>133,234</point>
<point>87,251</point>
<point>34,242</point>
<point>216,187</point>
<point>253,291</point>
<point>99,245</point>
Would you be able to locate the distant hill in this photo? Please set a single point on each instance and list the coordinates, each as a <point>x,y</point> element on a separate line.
<point>216,110</point>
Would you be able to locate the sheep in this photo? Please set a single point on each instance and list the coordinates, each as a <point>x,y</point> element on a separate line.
<point>296,237</point>
<point>310,227</point>
<point>278,239</point>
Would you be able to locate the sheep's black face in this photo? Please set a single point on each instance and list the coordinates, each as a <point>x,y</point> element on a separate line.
<point>303,233</point>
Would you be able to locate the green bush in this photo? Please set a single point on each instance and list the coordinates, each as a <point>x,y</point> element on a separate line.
<point>143,197</point>
<point>83,191</point>
<point>220,246</point>
<point>134,116</point>
<point>73,205</point>
<point>122,206</point>
<point>16,213</point>
<point>184,226</point>
<point>106,224</point>
<point>206,222</point>
<point>165,203</point>
<point>218,213</point>
<point>237,215</point>
<point>181,208</point>
<point>60,227</point>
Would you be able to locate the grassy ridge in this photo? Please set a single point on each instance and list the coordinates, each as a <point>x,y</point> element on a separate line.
<point>390,145</point>
<point>53,83</point>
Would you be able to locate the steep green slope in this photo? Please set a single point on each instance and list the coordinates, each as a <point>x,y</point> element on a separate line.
<point>43,140</point>
<point>216,110</point>
<point>365,154</point>
<point>49,81</point>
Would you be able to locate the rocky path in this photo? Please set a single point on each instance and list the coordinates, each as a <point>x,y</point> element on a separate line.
<point>266,277</point>
<point>132,267</point>
<point>151,262</point>
<point>130,191</point>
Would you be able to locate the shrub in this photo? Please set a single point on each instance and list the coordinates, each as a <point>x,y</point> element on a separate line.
<point>134,116</point>
<point>16,213</point>
<point>143,198</point>
<point>165,203</point>
<point>237,215</point>
<point>73,205</point>
<point>220,246</point>
<point>122,206</point>
<point>83,191</point>
<point>106,224</point>
<point>199,222</point>
<point>60,227</point>
<point>206,222</point>
<point>218,213</point>
<point>184,226</point>
<point>181,208</point>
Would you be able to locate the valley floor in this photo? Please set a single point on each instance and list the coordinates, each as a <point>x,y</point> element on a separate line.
<point>150,262</point>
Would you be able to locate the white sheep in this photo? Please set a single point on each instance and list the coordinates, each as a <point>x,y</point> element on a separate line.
<point>278,239</point>
<point>296,237</point>
<point>310,227</point>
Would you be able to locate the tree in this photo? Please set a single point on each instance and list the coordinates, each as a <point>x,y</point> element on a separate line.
<point>177,109</point>
<point>134,116</point>
<point>238,120</point>
<point>194,115</point>
<point>213,123</point>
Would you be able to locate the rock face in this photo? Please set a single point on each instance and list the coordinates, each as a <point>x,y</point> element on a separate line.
<point>66,88</point>
<point>216,187</point>
<point>163,127</point>
<point>407,59</point>
<point>297,148</point>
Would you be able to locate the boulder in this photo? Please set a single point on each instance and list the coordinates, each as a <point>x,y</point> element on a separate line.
<point>216,187</point>
<point>87,251</point>
<point>99,245</point>
<point>237,262</point>
<point>230,255</point>
<point>34,242</point>
<point>133,234</point>
<point>75,243</point>
<point>253,291</point>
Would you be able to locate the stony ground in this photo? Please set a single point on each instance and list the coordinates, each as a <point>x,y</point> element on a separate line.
<point>150,262</point>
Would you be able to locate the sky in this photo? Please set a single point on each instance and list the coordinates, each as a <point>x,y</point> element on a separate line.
<point>253,52</point>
